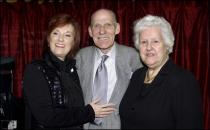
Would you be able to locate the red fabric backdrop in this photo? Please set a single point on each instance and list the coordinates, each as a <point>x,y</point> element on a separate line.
<point>23,25</point>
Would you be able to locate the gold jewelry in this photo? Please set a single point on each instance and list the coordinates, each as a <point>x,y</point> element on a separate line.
<point>148,79</point>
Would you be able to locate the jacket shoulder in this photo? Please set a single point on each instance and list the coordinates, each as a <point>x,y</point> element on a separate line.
<point>127,51</point>
<point>85,50</point>
<point>182,73</point>
<point>126,48</point>
<point>34,65</point>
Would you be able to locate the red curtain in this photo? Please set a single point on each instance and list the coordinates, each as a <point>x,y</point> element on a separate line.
<point>23,25</point>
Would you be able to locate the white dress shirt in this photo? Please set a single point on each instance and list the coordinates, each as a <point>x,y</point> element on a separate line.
<point>111,70</point>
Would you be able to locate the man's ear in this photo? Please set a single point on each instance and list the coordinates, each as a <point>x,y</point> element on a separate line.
<point>117,29</point>
<point>90,31</point>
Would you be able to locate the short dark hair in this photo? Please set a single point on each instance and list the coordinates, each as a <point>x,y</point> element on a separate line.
<point>60,20</point>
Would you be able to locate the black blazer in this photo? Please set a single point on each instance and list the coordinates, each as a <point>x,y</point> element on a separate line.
<point>40,110</point>
<point>171,101</point>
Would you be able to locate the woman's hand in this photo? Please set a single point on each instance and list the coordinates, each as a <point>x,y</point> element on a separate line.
<point>102,110</point>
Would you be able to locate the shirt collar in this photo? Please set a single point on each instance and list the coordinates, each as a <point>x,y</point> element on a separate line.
<point>111,53</point>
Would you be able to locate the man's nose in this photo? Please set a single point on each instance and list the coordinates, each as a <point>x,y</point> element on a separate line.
<point>102,30</point>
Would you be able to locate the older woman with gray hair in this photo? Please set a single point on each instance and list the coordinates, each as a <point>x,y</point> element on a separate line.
<point>160,95</point>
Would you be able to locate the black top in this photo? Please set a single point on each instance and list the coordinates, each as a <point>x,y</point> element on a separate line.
<point>171,101</point>
<point>41,111</point>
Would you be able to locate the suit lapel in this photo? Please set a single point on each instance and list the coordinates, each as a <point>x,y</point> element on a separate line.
<point>88,78</point>
<point>123,74</point>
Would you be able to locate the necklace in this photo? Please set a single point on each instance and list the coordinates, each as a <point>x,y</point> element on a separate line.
<point>154,72</point>
<point>149,79</point>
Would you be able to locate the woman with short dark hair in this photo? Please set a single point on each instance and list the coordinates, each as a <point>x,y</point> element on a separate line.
<point>52,90</point>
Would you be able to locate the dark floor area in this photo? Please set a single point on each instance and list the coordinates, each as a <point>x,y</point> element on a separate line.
<point>12,112</point>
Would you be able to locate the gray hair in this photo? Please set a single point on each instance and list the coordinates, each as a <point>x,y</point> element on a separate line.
<point>150,20</point>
